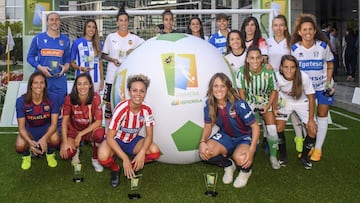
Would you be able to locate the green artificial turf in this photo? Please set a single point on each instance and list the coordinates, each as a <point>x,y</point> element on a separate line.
<point>334,179</point>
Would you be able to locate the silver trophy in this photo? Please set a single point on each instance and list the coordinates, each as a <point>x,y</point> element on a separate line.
<point>135,187</point>
<point>78,176</point>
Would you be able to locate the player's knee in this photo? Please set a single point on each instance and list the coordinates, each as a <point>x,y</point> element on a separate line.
<point>98,135</point>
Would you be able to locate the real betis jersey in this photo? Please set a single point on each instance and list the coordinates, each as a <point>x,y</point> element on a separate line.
<point>259,88</point>
<point>313,61</point>
<point>82,52</point>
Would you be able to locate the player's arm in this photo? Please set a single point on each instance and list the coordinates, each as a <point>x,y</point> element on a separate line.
<point>254,140</point>
<point>87,130</point>
<point>311,125</point>
<point>112,60</point>
<point>272,97</point>
<point>139,159</point>
<point>26,136</point>
<point>203,147</point>
<point>242,93</point>
<point>329,74</point>
<point>64,132</point>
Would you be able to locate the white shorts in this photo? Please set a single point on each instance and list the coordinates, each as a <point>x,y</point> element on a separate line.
<point>301,109</point>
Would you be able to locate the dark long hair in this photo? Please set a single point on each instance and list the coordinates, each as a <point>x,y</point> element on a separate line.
<point>95,38</point>
<point>28,95</point>
<point>286,32</point>
<point>307,18</point>
<point>74,95</point>
<point>201,27</point>
<point>297,87</point>
<point>247,65</point>
<point>231,95</point>
<point>228,47</point>
<point>257,34</point>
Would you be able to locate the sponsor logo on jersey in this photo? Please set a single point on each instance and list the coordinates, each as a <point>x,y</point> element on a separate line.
<point>311,64</point>
<point>52,52</point>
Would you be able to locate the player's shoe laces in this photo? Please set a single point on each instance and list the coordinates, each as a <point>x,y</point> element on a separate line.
<point>229,173</point>
<point>50,158</point>
<point>316,155</point>
<point>97,166</point>
<point>306,162</point>
<point>274,162</point>
<point>75,159</point>
<point>115,178</point>
<point>242,179</point>
<point>299,141</point>
<point>26,162</point>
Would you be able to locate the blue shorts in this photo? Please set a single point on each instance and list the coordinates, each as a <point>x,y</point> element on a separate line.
<point>128,148</point>
<point>322,99</point>
<point>230,143</point>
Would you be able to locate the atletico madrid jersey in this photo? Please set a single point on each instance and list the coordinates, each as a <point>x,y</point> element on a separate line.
<point>128,124</point>
<point>37,116</point>
<point>313,61</point>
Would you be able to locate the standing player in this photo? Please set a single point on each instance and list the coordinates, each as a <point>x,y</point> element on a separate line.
<point>257,87</point>
<point>117,47</point>
<point>86,55</point>
<point>238,134</point>
<point>278,46</point>
<point>124,138</point>
<point>82,118</point>
<point>296,95</point>
<point>218,39</point>
<point>37,116</point>
<point>49,53</point>
<point>311,48</point>
<point>168,22</point>
<point>195,28</point>
<point>236,50</point>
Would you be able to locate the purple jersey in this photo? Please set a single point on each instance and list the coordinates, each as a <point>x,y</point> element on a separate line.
<point>234,121</point>
<point>37,116</point>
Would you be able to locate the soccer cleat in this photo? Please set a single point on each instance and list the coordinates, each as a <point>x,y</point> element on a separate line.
<point>242,179</point>
<point>306,162</point>
<point>229,173</point>
<point>274,162</point>
<point>97,166</point>
<point>316,155</point>
<point>299,141</point>
<point>50,158</point>
<point>115,179</point>
<point>283,162</point>
<point>75,159</point>
<point>26,162</point>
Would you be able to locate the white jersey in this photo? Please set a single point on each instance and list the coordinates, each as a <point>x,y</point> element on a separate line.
<point>314,61</point>
<point>276,51</point>
<point>116,47</point>
<point>236,61</point>
<point>284,88</point>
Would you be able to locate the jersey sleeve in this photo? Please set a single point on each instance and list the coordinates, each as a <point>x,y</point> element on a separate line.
<point>207,118</point>
<point>20,107</point>
<point>96,108</point>
<point>263,46</point>
<point>245,113</point>
<point>33,52</point>
<point>272,79</point>
<point>74,50</point>
<point>149,117</point>
<point>107,45</point>
<point>240,78</point>
<point>67,51</point>
<point>66,110</point>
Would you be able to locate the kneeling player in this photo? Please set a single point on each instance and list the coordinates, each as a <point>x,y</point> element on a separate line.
<point>123,136</point>
<point>296,94</point>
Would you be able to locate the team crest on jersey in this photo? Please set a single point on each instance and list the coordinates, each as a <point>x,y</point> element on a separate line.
<point>301,54</point>
<point>61,42</point>
<point>130,42</point>
<point>46,108</point>
<point>141,118</point>
<point>316,54</point>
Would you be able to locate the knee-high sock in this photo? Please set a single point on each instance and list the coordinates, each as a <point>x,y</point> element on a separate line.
<point>308,145</point>
<point>110,163</point>
<point>98,136</point>
<point>151,157</point>
<point>220,160</point>
<point>321,133</point>
<point>272,139</point>
<point>282,145</point>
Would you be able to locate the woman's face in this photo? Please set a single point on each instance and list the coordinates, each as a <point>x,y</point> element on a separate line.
<point>83,86</point>
<point>234,41</point>
<point>222,24</point>
<point>250,28</point>
<point>38,85</point>
<point>123,23</point>
<point>254,59</point>
<point>307,31</point>
<point>288,68</point>
<point>168,22</point>
<point>279,27</point>
<point>195,25</point>
<point>137,92</point>
<point>90,30</point>
<point>219,89</point>
<point>53,22</point>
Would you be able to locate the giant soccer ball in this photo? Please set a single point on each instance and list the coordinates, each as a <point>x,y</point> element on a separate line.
<point>180,67</point>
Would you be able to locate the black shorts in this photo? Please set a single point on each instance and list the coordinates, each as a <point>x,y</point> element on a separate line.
<point>107,92</point>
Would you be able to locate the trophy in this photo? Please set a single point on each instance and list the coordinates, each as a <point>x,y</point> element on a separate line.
<point>54,65</point>
<point>78,178</point>
<point>134,187</point>
<point>210,184</point>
